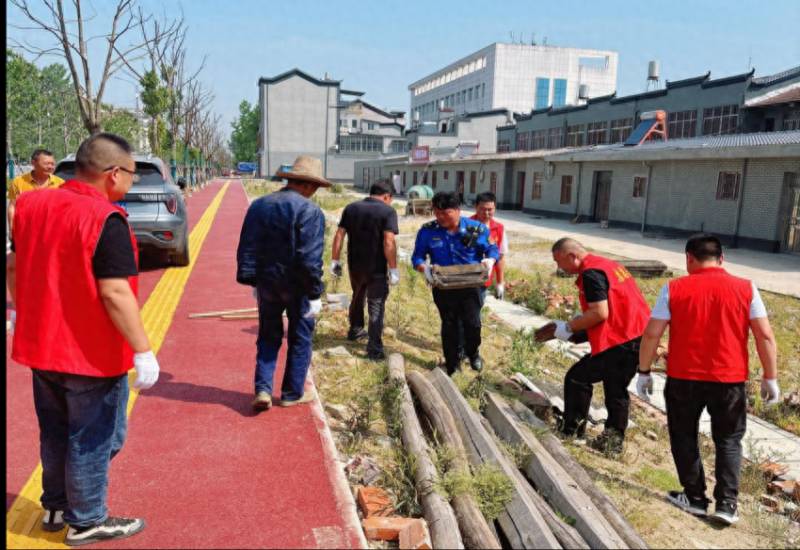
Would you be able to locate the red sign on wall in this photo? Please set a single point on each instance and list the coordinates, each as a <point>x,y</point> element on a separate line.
<point>420,153</point>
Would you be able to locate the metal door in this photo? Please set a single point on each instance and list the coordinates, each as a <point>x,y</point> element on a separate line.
<point>602,200</point>
<point>520,191</point>
<point>791,241</point>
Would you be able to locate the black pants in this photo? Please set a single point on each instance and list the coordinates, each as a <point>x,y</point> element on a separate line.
<point>615,368</point>
<point>727,406</point>
<point>460,311</point>
<point>372,288</point>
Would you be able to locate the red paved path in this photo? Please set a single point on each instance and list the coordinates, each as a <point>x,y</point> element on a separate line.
<point>201,469</point>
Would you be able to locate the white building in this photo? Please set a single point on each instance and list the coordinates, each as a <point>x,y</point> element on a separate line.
<point>517,77</point>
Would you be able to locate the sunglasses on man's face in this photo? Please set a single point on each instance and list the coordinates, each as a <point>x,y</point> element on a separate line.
<point>134,176</point>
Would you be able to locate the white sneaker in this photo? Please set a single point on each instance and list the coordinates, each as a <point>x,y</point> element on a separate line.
<point>111,528</point>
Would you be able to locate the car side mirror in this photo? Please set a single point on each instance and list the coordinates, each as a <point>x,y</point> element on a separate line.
<point>182,182</point>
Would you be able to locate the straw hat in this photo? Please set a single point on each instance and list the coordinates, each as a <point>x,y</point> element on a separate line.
<point>307,169</point>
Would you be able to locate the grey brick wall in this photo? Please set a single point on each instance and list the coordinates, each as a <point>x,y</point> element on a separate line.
<point>761,216</point>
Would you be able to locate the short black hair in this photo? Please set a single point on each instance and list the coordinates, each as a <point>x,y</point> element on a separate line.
<point>444,200</point>
<point>486,196</point>
<point>92,148</point>
<point>381,187</point>
<point>704,246</point>
<point>39,152</point>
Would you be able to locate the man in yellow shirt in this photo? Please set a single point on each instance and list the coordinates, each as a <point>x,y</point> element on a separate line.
<point>41,177</point>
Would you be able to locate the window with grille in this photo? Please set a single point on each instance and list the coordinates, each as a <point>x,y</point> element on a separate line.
<point>555,138</point>
<point>597,133</point>
<point>792,121</point>
<point>575,135</point>
<point>539,140</point>
<point>446,175</point>
<point>473,179</point>
<point>536,189</point>
<point>621,129</point>
<point>360,143</point>
<point>639,184</point>
<point>728,186</point>
<point>566,189</point>
<point>503,145</point>
<point>493,182</point>
<point>720,120</point>
<point>682,124</point>
<point>524,141</point>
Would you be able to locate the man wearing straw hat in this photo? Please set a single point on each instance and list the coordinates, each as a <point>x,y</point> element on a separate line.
<point>280,254</point>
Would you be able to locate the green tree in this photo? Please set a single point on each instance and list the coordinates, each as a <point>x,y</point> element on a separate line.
<point>123,123</point>
<point>22,87</point>
<point>156,99</point>
<point>244,137</point>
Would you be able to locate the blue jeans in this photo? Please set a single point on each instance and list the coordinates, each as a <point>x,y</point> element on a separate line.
<point>271,306</point>
<point>82,425</point>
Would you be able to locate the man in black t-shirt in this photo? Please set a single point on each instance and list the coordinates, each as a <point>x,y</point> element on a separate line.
<point>370,226</point>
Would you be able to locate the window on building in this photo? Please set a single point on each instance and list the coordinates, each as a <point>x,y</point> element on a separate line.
<point>728,186</point>
<point>354,123</point>
<point>483,90</point>
<point>576,135</point>
<point>425,177</point>
<point>720,120</point>
<point>682,124</point>
<point>523,141</point>
<point>597,133</point>
<point>539,139</point>
<point>493,182</point>
<point>536,189</point>
<point>360,143</point>
<point>365,176</point>
<point>473,181</point>
<point>469,95</point>
<point>621,129</point>
<point>433,179</point>
<point>639,185</point>
<point>370,125</point>
<point>503,145</point>
<point>566,189</point>
<point>404,179</point>
<point>399,146</point>
<point>792,121</point>
<point>542,93</point>
<point>555,138</point>
<point>446,175</point>
<point>559,92</point>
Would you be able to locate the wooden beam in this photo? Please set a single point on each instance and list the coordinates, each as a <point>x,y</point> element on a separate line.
<point>581,477</point>
<point>521,522</point>
<point>222,312</point>
<point>474,527</point>
<point>551,479</point>
<point>437,511</point>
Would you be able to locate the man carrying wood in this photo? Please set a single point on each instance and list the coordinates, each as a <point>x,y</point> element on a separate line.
<point>448,241</point>
<point>710,314</point>
<point>280,253</point>
<point>614,316</point>
<point>370,226</point>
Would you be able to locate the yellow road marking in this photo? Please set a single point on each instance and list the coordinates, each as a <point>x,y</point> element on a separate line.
<point>23,530</point>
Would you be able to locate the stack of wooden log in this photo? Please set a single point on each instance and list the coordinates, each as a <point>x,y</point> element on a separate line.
<point>550,486</point>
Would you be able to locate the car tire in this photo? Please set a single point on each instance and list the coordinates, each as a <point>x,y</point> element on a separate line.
<point>181,257</point>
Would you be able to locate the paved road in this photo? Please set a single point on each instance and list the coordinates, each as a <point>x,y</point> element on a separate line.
<point>198,465</point>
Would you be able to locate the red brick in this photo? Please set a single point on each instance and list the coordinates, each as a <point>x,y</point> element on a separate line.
<point>378,528</point>
<point>415,536</point>
<point>374,501</point>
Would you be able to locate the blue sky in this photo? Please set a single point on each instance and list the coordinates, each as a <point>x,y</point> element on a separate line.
<point>380,47</point>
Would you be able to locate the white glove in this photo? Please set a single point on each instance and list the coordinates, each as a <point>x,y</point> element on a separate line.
<point>488,263</point>
<point>146,367</point>
<point>644,386</point>
<point>314,307</point>
<point>499,291</point>
<point>394,276</point>
<point>770,392</point>
<point>13,318</point>
<point>428,274</point>
<point>336,268</point>
<point>562,330</point>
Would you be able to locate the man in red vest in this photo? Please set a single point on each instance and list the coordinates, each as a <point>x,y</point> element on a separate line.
<point>614,316</point>
<point>710,314</point>
<point>485,207</point>
<point>79,330</point>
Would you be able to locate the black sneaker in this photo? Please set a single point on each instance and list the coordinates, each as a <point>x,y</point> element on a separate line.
<point>53,520</point>
<point>726,513</point>
<point>476,363</point>
<point>692,505</point>
<point>111,528</point>
<point>376,356</point>
<point>609,443</point>
<point>354,335</point>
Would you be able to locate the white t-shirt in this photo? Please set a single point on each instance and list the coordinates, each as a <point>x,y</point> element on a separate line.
<point>662,313</point>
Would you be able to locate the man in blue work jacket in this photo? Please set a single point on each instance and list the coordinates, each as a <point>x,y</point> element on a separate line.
<point>455,240</point>
<point>280,254</point>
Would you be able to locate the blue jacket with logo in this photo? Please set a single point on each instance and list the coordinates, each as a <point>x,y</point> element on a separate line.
<point>280,246</point>
<point>469,245</point>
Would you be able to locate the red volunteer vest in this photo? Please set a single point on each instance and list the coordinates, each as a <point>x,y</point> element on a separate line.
<point>628,311</point>
<point>496,236</point>
<point>62,325</point>
<point>708,329</point>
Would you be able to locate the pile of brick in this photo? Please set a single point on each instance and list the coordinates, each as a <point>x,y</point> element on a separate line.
<point>380,522</point>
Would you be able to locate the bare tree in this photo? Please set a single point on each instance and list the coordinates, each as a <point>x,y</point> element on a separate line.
<point>70,42</point>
